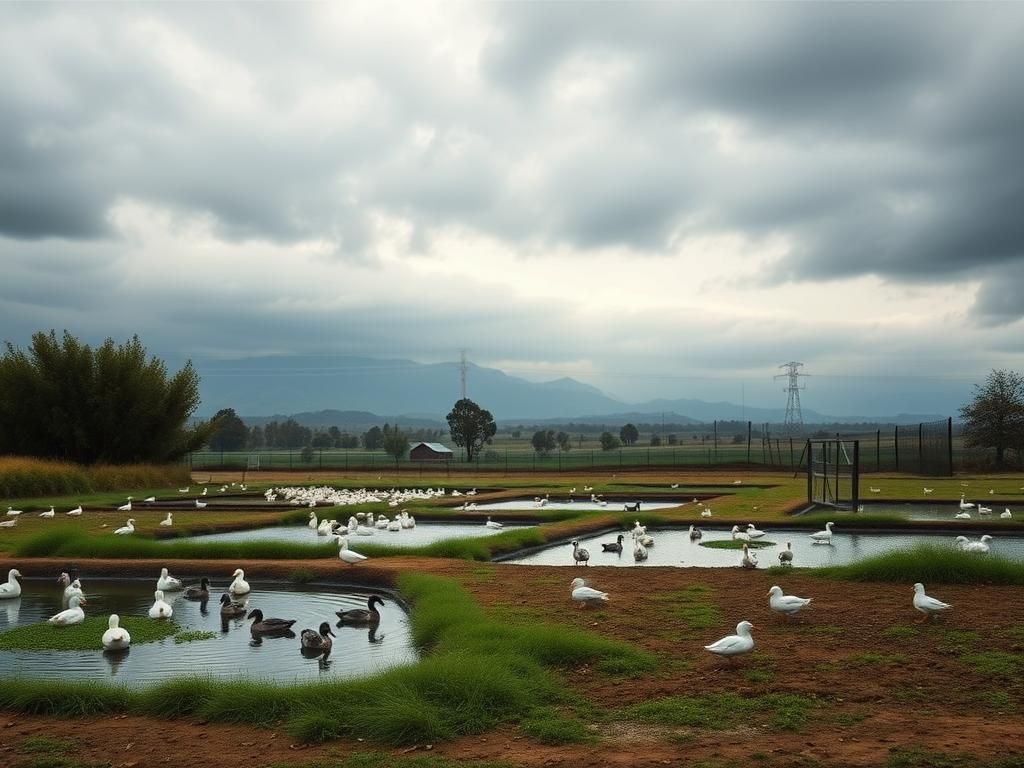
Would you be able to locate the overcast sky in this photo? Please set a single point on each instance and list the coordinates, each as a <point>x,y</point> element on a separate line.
<point>663,200</point>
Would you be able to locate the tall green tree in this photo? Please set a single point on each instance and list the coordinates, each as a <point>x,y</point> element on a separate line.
<point>373,439</point>
<point>609,442</point>
<point>629,434</point>
<point>230,434</point>
<point>396,443</point>
<point>995,417</point>
<point>564,441</point>
<point>471,426</point>
<point>543,441</point>
<point>63,399</point>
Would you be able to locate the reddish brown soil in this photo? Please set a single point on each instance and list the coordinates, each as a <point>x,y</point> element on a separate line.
<point>914,692</point>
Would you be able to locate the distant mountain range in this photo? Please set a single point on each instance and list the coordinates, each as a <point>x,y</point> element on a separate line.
<point>358,392</point>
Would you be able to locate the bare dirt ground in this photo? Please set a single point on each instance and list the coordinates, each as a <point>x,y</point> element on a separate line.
<point>874,680</point>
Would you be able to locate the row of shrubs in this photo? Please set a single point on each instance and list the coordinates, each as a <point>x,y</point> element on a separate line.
<point>23,477</point>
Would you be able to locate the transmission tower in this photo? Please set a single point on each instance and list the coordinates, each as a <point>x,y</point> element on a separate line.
<point>794,423</point>
<point>463,367</point>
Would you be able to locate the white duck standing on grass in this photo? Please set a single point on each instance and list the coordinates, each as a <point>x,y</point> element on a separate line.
<point>73,615</point>
<point>76,512</point>
<point>347,555</point>
<point>168,583</point>
<point>126,507</point>
<point>126,529</point>
<point>239,586</point>
<point>115,638</point>
<point>12,587</point>
<point>706,512</point>
<point>168,521</point>
<point>579,554</point>
<point>587,596</point>
<point>823,537</point>
<point>731,646</point>
<point>749,559</point>
<point>13,512</point>
<point>9,523</point>
<point>787,605</point>
<point>929,606</point>
<point>160,609</point>
<point>786,555</point>
<point>48,514</point>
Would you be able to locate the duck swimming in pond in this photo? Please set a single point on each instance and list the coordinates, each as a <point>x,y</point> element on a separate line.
<point>230,609</point>
<point>262,626</point>
<point>239,586</point>
<point>115,638</point>
<point>201,592</point>
<point>615,546</point>
<point>160,609</point>
<point>317,641</point>
<point>73,615</point>
<point>12,588</point>
<point>367,615</point>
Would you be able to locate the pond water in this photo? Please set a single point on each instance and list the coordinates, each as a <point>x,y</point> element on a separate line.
<point>423,533</point>
<point>576,506</point>
<point>938,511</point>
<point>673,547</point>
<point>233,653</point>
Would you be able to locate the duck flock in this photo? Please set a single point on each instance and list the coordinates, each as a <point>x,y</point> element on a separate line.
<point>233,605</point>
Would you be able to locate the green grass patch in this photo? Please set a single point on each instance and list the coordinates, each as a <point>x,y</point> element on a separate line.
<point>34,744</point>
<point>901,632</point>
<point>957,641</point>
<point>997,700</point>
<point>737,544</point>
<point>720,711</point>
<point>929,564</point>
<point>693,605</point>
<point>64,699</point>
<point>387,760</point>
<point>192,636</point>
<point>22,476</point>
<point>995,663</point>
<point>549,726</point>
<point>917,758</point>
<point>86,636</point>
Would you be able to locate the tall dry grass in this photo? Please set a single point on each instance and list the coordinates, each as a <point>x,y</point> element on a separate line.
<point>22,476</point>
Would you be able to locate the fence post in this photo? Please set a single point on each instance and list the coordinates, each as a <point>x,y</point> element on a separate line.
<point>878,450</point>
<point>896,444</point>
<point>810,472</point>
<point>949,442</point>
<point>715,427</point>
<point>792,458</point>
<point>920,447</point>
<point>748,442</point>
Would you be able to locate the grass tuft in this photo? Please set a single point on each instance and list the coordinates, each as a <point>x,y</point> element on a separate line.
<point>549,726</point>
<point>737,544</point>
<point>86,636</point>
<point>723,710</point>
<point>929,564</point>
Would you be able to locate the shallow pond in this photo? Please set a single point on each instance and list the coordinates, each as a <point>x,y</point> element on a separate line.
<point>423,533</point>
<point>673,547</point>
<point>938,511</point>
<point>233,653</point>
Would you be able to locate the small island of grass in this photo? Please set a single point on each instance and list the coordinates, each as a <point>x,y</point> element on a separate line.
<point>86,636</point>
<point>737,544</point>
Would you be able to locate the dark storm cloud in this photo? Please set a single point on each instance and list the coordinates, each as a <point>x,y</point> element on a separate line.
<point>874,138</point>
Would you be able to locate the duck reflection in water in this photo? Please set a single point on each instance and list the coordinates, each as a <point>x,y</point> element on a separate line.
<point>115,659</point>
<point>372,636</point>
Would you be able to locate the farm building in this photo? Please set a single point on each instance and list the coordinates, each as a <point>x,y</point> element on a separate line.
<point>430,452</point>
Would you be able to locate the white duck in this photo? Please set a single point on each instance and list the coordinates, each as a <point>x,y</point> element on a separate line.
<point>73,615</point>
<point>786,555</point>
<point>48,514</point>
<point>965,515</point>
<point>752,531</point>
<point>127,528</point>
<point>739,535</point>
<point>787,605</point>
<point>706,512</point>
<point>1006,514</point>
<point>115,638</point>
<point>239,586</point>
<point>734,645</point>
<point>168,521</point>
<point>160,609</point>
<point>639,550</point>
<point>76,512</point>
<point>9,523</point>
<point>984,510</point>
<point>585,595</point>
<point>150,499</point>
<point>980,547</point>
<point>126,507</point>
<point>324,529</point>
<point>200,504</point>
<point>13,587</point>
<point>823,537</point>
<point>13,512</point>
<point>493,523</point>
<point>929,606</point>
<point>347,555</point>
<point>168,583</point>
<point>749,559</point>
<point>394,525</point>
<point>965,505</point>
<point>313,523</point>
<point>71,588</point>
